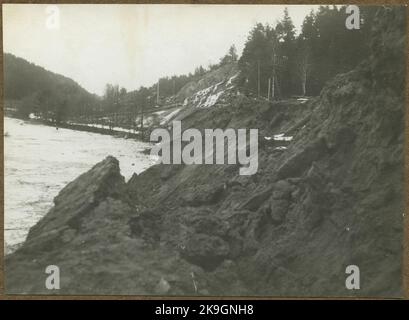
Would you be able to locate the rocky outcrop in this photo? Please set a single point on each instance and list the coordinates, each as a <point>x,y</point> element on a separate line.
<point>333,197</point>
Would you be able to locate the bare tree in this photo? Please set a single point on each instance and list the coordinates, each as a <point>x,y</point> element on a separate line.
<point>303,66</point>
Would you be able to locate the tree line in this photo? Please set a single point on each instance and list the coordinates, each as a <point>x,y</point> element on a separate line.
<point>279,63</point>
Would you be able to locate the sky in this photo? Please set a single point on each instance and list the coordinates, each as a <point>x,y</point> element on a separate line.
<point>131,45</point>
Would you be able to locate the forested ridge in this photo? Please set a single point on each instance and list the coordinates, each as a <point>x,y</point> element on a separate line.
<point>302,64</point>
<point>33,89</point>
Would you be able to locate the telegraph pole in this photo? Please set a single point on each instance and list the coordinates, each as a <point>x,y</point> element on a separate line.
<point>258,78</point>
<point>157,93</point>
<point>141,129</point>
<point>269,87</point>
<point>135,115</point>
<point>274,76</point>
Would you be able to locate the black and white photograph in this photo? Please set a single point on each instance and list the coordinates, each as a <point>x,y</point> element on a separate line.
<point>203,150</point>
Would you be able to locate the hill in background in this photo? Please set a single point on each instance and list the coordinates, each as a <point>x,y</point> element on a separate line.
<point>30,88</point>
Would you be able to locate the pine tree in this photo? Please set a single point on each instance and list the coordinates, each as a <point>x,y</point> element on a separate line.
<point>285,31</point>
<point>233,53</point>
<point>257,58</point>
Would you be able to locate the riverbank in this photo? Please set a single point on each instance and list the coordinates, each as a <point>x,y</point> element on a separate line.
<point>40,161</point>
<point>95,128</point>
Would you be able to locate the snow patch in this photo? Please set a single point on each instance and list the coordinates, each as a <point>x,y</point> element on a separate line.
<point>303,100</point>
<point>282,137</point>
<point>216,85</point>
<point>212,99</point>
<point>232,78</point>
<point>202,92</point>
<point>169,116</point>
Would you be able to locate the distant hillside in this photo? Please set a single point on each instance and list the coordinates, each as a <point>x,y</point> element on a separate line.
<point>34,89</point>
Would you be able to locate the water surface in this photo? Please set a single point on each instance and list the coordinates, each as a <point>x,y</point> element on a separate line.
<point>40,160</point>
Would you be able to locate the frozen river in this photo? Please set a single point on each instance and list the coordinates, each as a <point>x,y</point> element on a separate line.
<point>40,160</point>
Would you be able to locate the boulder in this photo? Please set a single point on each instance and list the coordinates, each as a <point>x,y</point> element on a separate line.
<point>205,250</point>
<point>79,198</point>
<point>296,164</point>
<point>203,195</point>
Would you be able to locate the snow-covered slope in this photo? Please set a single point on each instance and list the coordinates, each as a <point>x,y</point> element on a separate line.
<point>214,88</point>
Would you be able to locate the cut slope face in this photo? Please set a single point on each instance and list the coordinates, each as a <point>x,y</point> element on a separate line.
<point>216,81</point>
<point>330,197</point>
<point>215,88</point>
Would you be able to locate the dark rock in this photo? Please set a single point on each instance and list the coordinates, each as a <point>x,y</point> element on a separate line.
<point>282,190</point>
<point>204,221</point>
<point>205,251</point>
<point>146,225</point>
<point>300,161</point>
<point>278,211</point>
<point>203,195</point>
<point>257,200</point>
<point>167,172</point>
<point>80,197</point>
